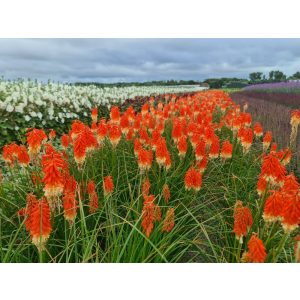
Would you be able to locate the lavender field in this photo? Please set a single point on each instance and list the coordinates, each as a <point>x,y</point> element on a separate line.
<point>273,109</point>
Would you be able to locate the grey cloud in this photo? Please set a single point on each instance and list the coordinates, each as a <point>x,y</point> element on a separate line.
<point>109,60</point>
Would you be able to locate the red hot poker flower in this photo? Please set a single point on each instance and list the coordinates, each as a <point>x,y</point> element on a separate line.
<point>169,221</point>
<point>94,114</point>
<point>272,170</point>
<point>257,129</point>
<point>65,141</point>
<point>257,251</point>
<point>108,185</point>
<point>35,138</point>
<point>69,199</point>
<point>52,164</point>
<point>267,140</point>
<point>166,193</point>
<point>242,220</point>
<point>226,151</point>
<point>148,215</point>
<point>40,223</point>
<point>273,207</point>
<point>146,187</point>
<point>193,179</point>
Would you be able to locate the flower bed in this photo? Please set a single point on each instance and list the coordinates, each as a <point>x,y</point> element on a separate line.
<point>189,178</point>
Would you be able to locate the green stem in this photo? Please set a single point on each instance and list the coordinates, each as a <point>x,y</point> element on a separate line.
<point>281,246</point>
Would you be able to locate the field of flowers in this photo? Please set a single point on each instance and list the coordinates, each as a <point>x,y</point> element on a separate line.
<point>270,104</point>
<point>188,178</point>
<point>25,104</point>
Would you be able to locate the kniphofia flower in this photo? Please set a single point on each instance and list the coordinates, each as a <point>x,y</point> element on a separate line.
<point>193,179</point>
<point>148,214</point>
<point>182,146</point>
<point>272,170</point>
<point>108,185</point>
<point>65,140</point>
<point>40,223</point>
<point>145,158</point>
<point>169,221</point>
<point>226,151</point>
<point>242,220</point>
<point>52,164</point>
<point>166,193</point>
<point>267,140</point>
<point>257,251</point>
<point>273,207</point>
<point>295,118</point>
<point>146,187</point>
<point>94,114</point>
<point>93,196</point>
<point>257,129</point>
<point>35,139</point>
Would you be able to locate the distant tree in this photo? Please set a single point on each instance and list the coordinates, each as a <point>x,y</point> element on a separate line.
<point>277,76</point>
<point>255,76</point>
<point>296,75</point>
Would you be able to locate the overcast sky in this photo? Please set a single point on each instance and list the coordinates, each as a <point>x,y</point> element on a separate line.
<point>112,60</point>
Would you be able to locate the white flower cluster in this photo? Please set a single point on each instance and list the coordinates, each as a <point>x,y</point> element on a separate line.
<point>57,101</point>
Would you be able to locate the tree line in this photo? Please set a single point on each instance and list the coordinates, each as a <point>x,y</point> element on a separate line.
<point>254,78</point>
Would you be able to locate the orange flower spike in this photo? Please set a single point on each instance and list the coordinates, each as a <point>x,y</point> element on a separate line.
<point>23,156</point>
<point>10,153</point>
<point>52,164</point>
<point>145,158</point>
<point>286,158</point>
<point>226,151</point>
<point>272,170</point>
<point>35,138</point>
<point>94,114</point>
<point>91,187</point>
<point>166,193</point>
<point>261,186</point>
<point>242,220</point>
<point>85,142</point>
<point>169,221</point>
<point>273,207</point>
<point>137,146</point>
<point>101,131</point>
<point>69,199</point>
<point>52,134</point>
<point>40,224</point>
<point>148,215</point>
<point>200,150</point>
<point>214,148</point>
<point>273,147</point>
<point>31,201</point>
<point>124,124</point>
<point>267,140</point>
<point>115,115</point>
<point>146,187</point>
<point>182,146</point>
<point>193,179</point>
<point>295,118</point>
<point>115,134</point>
<point>257,129</point>
<point>202,165</point>
<point>291,212</point>
<point>176,131</point>
<point>65,140</point>
<point>108,185</point>
<point>157,213</point>
<point>257,250</point>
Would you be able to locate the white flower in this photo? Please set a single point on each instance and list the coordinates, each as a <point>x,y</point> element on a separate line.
<point>9,108</point>
<point>27,118</point>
